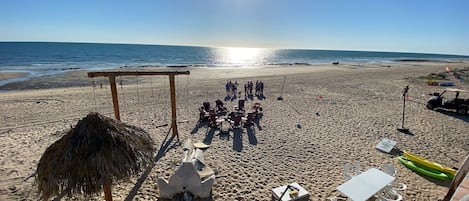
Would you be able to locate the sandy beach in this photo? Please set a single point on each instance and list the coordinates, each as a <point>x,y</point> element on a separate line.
<point>330,115</point>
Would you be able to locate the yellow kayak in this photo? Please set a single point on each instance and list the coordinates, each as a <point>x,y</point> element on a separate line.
<point>424,162</point>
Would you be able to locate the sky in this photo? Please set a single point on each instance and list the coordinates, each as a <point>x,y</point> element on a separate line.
<point>423,26</point>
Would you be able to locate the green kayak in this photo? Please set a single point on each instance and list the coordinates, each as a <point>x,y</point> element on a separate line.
<point>423,170</point>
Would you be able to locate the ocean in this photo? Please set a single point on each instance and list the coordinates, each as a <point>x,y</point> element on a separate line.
<point>39,59</point>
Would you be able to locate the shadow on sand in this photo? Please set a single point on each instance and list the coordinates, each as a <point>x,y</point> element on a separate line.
<point>251,135</point>
<point>454,115</point>
<point>166,145</point>
<point>209,136</point>
<point>261,97</point>
<point>406,131</point>
<point>199,125</point>
<point>257,121</point>
<point>238,140</point>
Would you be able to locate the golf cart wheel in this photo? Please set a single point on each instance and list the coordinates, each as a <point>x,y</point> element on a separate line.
<point>430,106</point>
<point>462,110</point>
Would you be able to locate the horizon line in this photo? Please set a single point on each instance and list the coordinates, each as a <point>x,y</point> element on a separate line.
<point>209,46</point>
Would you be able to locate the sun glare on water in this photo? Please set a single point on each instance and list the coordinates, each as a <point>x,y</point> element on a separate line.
<point>242,56</point>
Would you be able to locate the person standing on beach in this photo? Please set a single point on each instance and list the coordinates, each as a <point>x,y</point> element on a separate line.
<point>257,87</point>
<point>246,89</point>
<point>227,88</point>
<point>234,88</point>
<point>261,88</point>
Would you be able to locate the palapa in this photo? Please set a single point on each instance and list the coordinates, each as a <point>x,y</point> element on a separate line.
<point>93,154</point>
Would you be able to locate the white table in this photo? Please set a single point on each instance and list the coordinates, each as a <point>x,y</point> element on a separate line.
<point>365,185</point>
<point>302,193</point>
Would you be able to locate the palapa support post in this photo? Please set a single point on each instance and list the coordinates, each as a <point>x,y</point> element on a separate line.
<point>115,101</point>
<point>112,79</point>
<point>107,191</point>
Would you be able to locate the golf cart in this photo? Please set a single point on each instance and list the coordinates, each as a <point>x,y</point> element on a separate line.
<point>455,99</point>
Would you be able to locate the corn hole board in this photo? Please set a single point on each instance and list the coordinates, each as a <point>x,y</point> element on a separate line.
<point>302,194</point>
<point>386,145</point>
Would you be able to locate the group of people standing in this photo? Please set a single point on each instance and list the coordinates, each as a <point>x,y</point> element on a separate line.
<point>232,89</point>
<point>250,85</point>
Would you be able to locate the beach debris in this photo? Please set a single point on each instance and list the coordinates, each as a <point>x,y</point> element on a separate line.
<point>298,125</point>
<point>446,84</point>
<point>319,98</point>
<point>162,125</point>
<point>92,155</point>
<point>317,114</point>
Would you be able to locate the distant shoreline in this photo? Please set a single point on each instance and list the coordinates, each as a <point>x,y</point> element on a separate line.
<point>78,78</point>
<point>429,60</point>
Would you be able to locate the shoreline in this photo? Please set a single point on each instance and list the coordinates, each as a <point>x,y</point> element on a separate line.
<point>78,78</point>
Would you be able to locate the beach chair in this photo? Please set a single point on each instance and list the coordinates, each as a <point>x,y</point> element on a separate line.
<point>389,169</point>
<point>240,105</point>
<point>204,112</point>
<point>257,107</point>
<point>221,109</point>
<point>206,106</point>
<point>250,119</point>
<point>390,192</point>
<point>351,170</point>
<point>213,119</point>
<point>225,129</point>
<point>236,123</point>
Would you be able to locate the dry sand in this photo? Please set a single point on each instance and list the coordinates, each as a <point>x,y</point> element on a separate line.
<point>344,111</point>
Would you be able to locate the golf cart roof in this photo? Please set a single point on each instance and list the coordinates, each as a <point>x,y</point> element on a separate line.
<point>457,90</point>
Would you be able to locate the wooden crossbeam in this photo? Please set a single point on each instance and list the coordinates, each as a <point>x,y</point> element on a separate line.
<point>134,73</point>
<point>115,102</point>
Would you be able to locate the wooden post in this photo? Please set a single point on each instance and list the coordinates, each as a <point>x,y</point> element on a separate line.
<point>115,101</point>
<point>172,89</point>
<point>107,191</point>
<point>462,172</point>
<point>112,78</point>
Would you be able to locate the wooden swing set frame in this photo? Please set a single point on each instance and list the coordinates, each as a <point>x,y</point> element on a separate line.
<point>115,102</point>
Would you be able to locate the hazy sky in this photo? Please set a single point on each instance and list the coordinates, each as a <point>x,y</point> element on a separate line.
<point>430,26</point>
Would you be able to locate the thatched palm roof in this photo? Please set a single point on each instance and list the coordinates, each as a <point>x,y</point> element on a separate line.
<point>97,151</point>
